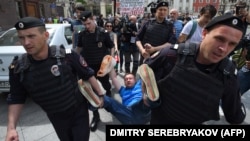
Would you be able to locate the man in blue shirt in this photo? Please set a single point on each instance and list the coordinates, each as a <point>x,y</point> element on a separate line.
<point>174,14</point>
<point>138,97</point>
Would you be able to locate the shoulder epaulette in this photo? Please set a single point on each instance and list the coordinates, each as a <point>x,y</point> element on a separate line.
<point>68,51</point>
<point>185,49</point>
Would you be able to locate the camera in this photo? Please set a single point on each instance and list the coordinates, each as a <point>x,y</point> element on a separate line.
<point>238,5</point>
<point>153,6</point>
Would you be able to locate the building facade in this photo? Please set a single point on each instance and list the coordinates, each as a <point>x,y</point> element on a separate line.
<point>12,10</point>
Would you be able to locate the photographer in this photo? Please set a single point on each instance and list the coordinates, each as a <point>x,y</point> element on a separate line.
<point>241,57</point>
<point>129,33</point>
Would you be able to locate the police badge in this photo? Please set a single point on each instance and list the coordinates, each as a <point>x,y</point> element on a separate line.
<point>55,70</point>
<point>100,44</point>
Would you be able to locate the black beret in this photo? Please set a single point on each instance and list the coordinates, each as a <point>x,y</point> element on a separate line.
<point>85,15</point>
<point>228,20</point>
<point>160,4</point>
<point>28,22</point>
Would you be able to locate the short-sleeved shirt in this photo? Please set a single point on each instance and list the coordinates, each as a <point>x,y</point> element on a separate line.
<point>197,35</point>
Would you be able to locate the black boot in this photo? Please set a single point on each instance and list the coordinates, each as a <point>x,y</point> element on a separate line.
<point>95,120</point>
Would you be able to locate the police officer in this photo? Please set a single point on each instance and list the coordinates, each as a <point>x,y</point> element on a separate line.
<point>156,32</point>
<point>93,44</point>
<point>195,79</point>
<point>49,76</point>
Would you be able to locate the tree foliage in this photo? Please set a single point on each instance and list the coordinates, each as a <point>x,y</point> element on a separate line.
<point>81,1</point>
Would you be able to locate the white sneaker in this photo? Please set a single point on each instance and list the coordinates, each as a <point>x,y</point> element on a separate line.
<point>108,62</point>
<point>88,93</point>
<point>148,78</point>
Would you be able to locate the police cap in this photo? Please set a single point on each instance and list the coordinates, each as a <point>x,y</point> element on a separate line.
<point>160,4</point>
<point>28,22</point>
<point>228,20</point>
<point>85,15</point>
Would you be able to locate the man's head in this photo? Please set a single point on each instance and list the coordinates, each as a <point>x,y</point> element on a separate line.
<point>207,13</point>
<point>79,8</point>
<point>88,21</point>
<point>161,10</point>
<point>219,38</point>
<point>174,14</point>
<point>32,34</point>
<point>129,80</point>
<point>133,19</point>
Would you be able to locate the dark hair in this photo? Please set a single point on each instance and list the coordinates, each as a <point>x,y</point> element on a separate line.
<point>210,8</point>
<point>108,22</point>
<point>129,73</point>
<point>80,7</point>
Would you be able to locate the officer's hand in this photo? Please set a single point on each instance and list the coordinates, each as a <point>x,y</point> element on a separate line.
<point>145,54</point>
<point>102,101</point>
<point>149,49</point>
<point>12,135</point>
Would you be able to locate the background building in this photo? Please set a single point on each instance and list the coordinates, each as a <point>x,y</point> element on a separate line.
<point>12,10</point>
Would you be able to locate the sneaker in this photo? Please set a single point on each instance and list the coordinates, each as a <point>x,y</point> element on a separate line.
<point>88,93</point>
<point>108,63</point>
<point>148,78</point>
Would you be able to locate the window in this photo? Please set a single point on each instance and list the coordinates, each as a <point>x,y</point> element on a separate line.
<point>68,35</point>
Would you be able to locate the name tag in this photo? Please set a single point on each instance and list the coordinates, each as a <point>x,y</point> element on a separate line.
<point>132,40</point>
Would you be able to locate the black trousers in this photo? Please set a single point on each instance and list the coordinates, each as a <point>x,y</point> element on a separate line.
<point>73,124</point>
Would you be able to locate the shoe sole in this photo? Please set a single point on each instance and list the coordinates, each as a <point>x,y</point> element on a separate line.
<point>88,93</point>
<point>108,63</point>
<point>148,78</point>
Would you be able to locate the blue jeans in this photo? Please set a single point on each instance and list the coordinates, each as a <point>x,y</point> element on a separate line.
<point>138,113</point>
<point>244,77</point>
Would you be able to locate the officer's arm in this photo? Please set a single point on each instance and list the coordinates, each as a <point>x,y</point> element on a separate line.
<point>157,48</point>
<point>78,50</point>
<point>13,116</point>
<point>93,82</point>
<point>231,102</point>
<point>109,43</point>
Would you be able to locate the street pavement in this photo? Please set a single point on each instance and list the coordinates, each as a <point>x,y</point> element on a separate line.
<point>33,124</point>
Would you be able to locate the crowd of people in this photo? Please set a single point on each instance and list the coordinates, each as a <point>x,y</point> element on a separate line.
<point>184,66</point>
